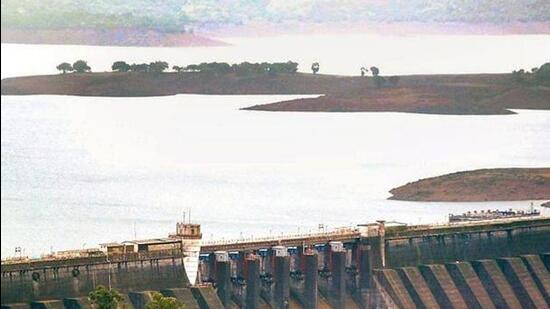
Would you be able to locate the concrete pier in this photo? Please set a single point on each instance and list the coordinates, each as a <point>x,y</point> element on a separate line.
<point>469,285</point>
<point>392,284</point>
<point>496,284</point>
<point>365,267</point>
<point>310,280</point>
<point>253,284</point>
<point>539,274</point>
<point>442,286</point>
<point>223,277</point>
<point>282,277</point>
<point>337,287</point>
<point>417,287</point>
<point>521,281</point>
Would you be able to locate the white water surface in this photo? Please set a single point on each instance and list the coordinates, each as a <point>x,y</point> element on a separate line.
<point>77,171</point>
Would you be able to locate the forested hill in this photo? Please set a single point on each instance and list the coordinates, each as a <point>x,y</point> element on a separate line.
<point>180,15</point>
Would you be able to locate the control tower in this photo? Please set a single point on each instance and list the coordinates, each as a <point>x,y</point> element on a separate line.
<point>190,236</point>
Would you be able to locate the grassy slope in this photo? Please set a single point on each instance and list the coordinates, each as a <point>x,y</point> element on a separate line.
<point>436,94</point>
<point>507,184</point>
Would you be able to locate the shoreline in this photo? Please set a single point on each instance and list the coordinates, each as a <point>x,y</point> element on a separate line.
<point>127,37</point>
<point>482,185</point>
<point>452,94</point>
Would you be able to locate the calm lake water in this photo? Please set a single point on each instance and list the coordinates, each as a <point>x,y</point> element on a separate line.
<point>77,171</point>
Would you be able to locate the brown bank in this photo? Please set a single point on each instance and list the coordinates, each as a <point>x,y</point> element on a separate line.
<point>480,94</point>
<point>501,184</point>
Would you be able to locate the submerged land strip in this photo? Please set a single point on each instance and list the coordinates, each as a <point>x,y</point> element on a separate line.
<point>500,184</point>
<point>466,94</point>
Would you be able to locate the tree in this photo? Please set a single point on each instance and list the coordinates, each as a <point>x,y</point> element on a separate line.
<point>161,302</point>
<point>542,75</point>
<point>283,67</point>
<point>103,298</point>
<point>379,81</point>
<point>142,67</point>
<point>315,67</point>
<point>81,66</point>
<point>177,68</point>
<point>518,76</point>
<point>364,71</point>
<point>120,66</point>
<point>375,71</point>
<point>65,67</point>
<point>158,66</point>
<point>192,68</point>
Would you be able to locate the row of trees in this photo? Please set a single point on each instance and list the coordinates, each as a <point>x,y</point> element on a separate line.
<point>154,67</point>
<point>104,298</point>
<point>244,68</point>
<point>79,66</point>
<point>537,75</point>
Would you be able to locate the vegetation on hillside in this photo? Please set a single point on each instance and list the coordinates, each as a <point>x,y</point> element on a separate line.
<point>162,302</point>
<point>538,75</point>
<point>79,66</point>
<point>104,298</point>
<point>244,68</point>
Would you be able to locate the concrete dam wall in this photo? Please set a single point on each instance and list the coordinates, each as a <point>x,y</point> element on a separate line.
<point>465,246</point>
<point>78,280</point>
<point>501,265</point>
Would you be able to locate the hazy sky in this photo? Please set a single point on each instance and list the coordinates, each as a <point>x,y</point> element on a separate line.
<point>178,14</point>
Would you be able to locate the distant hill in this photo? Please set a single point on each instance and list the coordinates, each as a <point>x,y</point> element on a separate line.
<point>181,15</point>
<point>153,22</point>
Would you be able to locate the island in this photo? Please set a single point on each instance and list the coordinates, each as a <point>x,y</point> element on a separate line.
<point>499,184</point>
<point>464,94</point>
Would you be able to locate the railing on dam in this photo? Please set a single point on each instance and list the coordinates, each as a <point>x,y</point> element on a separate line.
<point>402,232</point>
<point>340,234</point>
<point>31,264</point>
<point>337,232</point>
<point>390,233</point>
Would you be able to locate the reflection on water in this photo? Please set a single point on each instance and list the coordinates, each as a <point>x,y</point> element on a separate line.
<point>78,171</point>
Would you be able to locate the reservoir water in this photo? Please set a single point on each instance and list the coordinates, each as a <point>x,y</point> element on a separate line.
<point>77,171</point>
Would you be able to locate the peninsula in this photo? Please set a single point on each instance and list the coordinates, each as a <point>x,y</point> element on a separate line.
<point>501,184</point>
<point>466,94</point>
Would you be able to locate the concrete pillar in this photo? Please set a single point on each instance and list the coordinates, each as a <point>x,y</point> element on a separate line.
<point>510,243</point>
<point>253,283</point>
<point>310,280</point>
<point>265,261</point>
<point>296,262</point>
<point>338,269</point>
<point>374,235</point>
<point>211,266</point>
<point>223,277</point>
<point>282,277</point>
<point>241,261</point>
<point>365,267</point>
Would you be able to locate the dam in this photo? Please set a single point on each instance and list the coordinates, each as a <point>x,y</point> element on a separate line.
<point>487,264</point>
